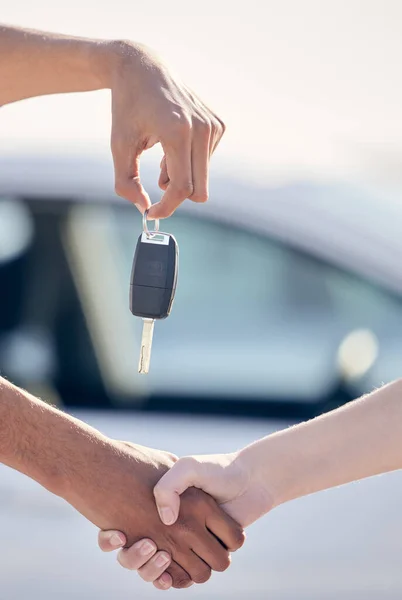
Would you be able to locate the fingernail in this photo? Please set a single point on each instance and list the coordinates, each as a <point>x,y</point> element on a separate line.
<point>117,540</point>
<point>167,515</point>
<point>146,548</point>
<point>162,560</point>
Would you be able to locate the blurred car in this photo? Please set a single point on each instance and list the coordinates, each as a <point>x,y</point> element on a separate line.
<point>289,303</point>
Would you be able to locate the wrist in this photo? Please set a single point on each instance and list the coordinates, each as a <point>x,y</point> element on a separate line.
<point>77,455</point>
<point>258,488</point>
<point>248,462</point>
<point>275,468</point>
<point>110,58</point>
<point>101,62</point>
<point>358,440</point>
<point>44,443</point>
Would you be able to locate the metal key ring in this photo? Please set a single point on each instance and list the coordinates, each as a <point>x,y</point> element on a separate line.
<point>145,225</point>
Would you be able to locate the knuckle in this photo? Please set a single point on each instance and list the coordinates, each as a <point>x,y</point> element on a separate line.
<point>181,124</point>
<point>124,561</point>
<point>120,187</point>
<point>202,575</point>
<point>182,189</point>
<point>202,126</point>
<point>151,571</point>
<point>185,526</point>
<point>239,537</point>
<point>220,126</point>
<point>103,542</point>
<point>127,187</point>
<point>200,197</point>
<point>117,145</point>
<point>223,563</point>
<point>146,576</point>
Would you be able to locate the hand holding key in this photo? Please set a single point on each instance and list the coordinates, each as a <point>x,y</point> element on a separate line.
<point>150,105</point>
<point>153,283</point>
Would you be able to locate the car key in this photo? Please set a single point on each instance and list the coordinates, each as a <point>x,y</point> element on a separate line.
<point>153,283</point>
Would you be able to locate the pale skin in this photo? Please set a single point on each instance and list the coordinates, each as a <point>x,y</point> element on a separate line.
<point>113,486</point>
<point>149,105</point>
<point>359,440</point>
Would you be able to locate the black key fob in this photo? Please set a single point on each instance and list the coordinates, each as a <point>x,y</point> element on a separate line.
<point>154,275</point>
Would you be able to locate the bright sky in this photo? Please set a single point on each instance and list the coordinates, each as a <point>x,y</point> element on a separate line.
<point>307,87</point>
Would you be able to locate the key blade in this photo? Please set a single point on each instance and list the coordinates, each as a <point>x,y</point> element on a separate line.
<point>146,346</point>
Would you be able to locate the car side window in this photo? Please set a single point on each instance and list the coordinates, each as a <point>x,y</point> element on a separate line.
<point>255,316</point>
<point>253,319</point>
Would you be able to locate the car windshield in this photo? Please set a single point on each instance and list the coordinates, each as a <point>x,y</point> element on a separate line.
<point>253,320</point>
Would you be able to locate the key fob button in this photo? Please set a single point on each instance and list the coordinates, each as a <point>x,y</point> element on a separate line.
<point>147,302</point>
<point>154,276</point>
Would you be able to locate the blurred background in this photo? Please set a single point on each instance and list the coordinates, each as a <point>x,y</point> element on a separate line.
<point>289,300</point>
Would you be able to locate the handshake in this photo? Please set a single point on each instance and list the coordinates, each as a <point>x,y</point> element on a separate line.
<point>137,496</point>
<point>171,532</point>
<point>176,520</point>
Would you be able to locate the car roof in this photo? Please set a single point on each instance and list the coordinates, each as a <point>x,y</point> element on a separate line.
<point>348,225</point>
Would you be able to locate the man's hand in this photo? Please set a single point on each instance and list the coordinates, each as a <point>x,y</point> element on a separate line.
<point>111,484</point>
<point>150,105</point>
<point>114,490</point>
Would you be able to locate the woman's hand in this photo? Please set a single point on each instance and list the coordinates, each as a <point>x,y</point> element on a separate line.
<point>151,104</point>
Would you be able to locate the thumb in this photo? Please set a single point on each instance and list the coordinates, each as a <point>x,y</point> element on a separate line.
<point>185,473</point>
<point>127,176</point>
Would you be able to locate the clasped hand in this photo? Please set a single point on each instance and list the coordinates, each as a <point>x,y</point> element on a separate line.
<point>227,477</point>
<point>119,495</point>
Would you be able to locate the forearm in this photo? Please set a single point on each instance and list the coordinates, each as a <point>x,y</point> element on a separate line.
<point>44,443</point>
<point>35,63</point>
<point>361,439</point>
